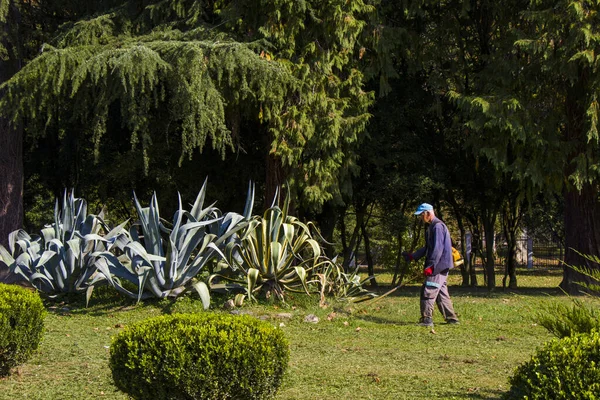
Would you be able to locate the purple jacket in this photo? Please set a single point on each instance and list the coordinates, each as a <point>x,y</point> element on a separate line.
<point>438,247</point>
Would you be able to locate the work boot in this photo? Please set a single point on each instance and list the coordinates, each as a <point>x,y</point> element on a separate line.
<point>452,321</point>
<point>426,322</point>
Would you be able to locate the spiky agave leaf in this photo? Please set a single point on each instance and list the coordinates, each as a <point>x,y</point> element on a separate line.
<point>63,261</point>
<point>171,254</point>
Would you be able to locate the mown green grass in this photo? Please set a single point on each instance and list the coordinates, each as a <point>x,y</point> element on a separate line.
<point>365,351</point>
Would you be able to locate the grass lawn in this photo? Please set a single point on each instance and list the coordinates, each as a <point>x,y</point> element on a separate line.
<point>364,351</point>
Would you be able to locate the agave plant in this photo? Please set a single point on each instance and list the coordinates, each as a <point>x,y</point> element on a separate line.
<point>163,259</point>
<point>62,260</point>
<point>275,253</point>
<point>343,286</point>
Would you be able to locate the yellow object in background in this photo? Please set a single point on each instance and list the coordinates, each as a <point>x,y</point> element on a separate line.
<point>457,257</point>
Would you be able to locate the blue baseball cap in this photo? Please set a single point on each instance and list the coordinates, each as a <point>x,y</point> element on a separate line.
<point>423,207</point>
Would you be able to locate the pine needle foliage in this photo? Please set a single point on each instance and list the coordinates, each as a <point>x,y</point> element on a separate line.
<point>539,111</point>
<point>3,10</point>
<point>4,5</point>
<point>185,70</point>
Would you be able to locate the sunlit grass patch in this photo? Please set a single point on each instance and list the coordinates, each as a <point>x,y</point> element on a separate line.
<point>371,350</point>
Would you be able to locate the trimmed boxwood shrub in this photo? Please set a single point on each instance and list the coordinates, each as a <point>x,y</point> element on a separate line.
<point>565,368</point>
<point>199,356</point>
<point>21,325</point>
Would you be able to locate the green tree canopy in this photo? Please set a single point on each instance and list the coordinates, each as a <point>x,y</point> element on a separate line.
<point>180,75</point>
<point>538,113</point>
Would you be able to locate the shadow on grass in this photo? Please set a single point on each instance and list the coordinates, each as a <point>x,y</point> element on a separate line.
<point>104,301</point>
<point>480,291</point>
<point>495,395</point>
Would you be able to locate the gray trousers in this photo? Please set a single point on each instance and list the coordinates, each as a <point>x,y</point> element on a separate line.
<point>435,290</point>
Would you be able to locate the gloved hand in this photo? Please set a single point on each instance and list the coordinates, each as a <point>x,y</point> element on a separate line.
<point>408,257</point>
<point>428,271</point>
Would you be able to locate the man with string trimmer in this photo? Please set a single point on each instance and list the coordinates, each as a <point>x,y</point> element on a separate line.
<point>438,261</point>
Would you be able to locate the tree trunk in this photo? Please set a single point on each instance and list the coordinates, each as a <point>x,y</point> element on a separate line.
<point>399,246</point>
<point>472,271</point>
<point>510,271</point>
<point>582,234</point>
<point>11,179</point>
<point>582,207</point>
<point>343,238</point>
<point>511,218</point>
<point>11,144</point>
<point>399,259</point>
<point>489,221</point>
<point>511,263</point>
<point>273,179</point>
<point>475,249</point>
<point>370,266</point>
<point>349,252</point>
<point>464,272</point>
<point>416,238</point>
<point>461,227</point>
<point>327,220</point>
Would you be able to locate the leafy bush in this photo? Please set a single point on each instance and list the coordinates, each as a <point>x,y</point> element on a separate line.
<point>199,356</point>
<point>21,325</point>
<point>563,321</point>
<point>565,368</point>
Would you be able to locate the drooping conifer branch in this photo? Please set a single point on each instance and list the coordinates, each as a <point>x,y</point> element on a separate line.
<point>174,68</point>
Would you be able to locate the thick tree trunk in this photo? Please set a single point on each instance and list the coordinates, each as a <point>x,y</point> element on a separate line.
<point>11,147</point>
<point>11,179</point>
<point>582,234</point>
<point>582,207</point>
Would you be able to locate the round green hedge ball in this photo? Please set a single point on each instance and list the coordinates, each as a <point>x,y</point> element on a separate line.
<point>22,316</point>
<point>562,369</point>
<point>199,356</point>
